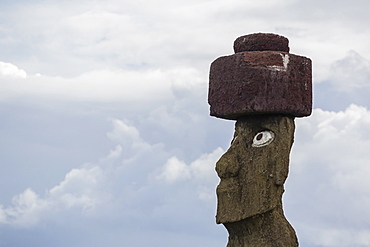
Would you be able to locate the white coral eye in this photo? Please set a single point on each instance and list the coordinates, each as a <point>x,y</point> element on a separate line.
<point>263,138</point>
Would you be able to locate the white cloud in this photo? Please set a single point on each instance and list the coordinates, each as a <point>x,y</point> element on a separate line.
<point>116,153</point>
<point>10,70</point>
<point>339,237</point>
<point>125,133</point>
<point>24,211</point>
<point>351,72</point>
<point>91,188</point>
<point>328,180</point>
<point>175,170</point>
<point>147,88</point>
<point>98,86</point>
<point>201,169</point>
<point>201,172</point>
<point>82,188</point>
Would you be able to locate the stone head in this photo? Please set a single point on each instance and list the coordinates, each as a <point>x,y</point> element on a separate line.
<point>255,167</point>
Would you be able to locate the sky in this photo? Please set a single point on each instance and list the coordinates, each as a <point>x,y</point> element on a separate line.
<point>106,138</point>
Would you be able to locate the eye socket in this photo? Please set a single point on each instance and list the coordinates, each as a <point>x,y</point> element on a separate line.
<point>263,138</point>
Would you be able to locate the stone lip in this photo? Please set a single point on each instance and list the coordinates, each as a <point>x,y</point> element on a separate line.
<point>260,82</point>
<point>261,42</point>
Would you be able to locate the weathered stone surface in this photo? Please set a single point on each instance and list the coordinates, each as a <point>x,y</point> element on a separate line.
<point>252,178</point>
<point>253,172</point>
<point>261,42</point>
<point>270,229</point>
<point>260,82</point>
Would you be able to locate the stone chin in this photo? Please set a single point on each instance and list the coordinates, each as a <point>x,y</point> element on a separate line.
<point>254,168</point>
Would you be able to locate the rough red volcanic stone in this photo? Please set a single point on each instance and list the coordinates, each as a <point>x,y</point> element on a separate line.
<point>261,42</point>
<point>260,82</point>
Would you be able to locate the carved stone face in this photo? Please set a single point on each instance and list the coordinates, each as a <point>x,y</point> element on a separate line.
<point>255,167</point>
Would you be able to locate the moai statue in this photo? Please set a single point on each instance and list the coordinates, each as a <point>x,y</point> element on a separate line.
<point>263,87</point>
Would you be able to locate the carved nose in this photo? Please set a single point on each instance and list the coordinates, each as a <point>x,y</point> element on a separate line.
<point>227,166</point>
